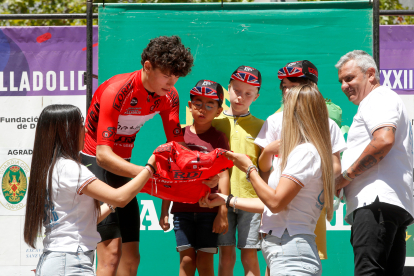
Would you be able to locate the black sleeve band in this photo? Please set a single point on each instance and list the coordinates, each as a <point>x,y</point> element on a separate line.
<point>228,200</point>
<point>152,167</point>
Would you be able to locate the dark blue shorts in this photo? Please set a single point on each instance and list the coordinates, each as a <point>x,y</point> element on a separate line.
<point>195,230</point>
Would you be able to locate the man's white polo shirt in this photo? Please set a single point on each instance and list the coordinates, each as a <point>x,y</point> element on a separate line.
<point>392,178</point>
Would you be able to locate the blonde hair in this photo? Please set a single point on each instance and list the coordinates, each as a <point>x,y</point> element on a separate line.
<point>305,120</point>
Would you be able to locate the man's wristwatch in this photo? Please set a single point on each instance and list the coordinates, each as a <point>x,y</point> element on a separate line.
<point>345,175</point>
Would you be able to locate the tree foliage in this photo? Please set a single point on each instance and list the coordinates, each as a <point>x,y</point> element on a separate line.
<point>386,5</point>
<point>394,20</point>
<point>43,7</point>
<point>67,6</point>
<point>79,6</point>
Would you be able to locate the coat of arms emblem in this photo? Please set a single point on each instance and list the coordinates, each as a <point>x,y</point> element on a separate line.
<point>14,184</point>
<point>14,177</point>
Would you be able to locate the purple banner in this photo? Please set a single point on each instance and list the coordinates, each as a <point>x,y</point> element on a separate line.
<point>45,61</point>
<point>397,58</point>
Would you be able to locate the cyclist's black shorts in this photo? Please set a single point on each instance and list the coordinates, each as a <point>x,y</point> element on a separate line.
<point>125,222</point>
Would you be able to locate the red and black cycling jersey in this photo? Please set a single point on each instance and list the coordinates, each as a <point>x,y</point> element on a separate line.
<point>180,172</point>
<point>120,107</point>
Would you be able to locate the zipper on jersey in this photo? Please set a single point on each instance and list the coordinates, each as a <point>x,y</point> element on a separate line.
<point>149,93</point>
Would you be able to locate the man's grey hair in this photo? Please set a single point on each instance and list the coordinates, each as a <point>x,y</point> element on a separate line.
<point>363,60</point>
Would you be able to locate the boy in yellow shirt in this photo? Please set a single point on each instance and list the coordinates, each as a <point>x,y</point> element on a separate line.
<point>241,129</point>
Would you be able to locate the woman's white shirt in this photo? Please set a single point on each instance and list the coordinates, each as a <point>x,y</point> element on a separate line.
<point>302,213</point>
<point>70,220</point>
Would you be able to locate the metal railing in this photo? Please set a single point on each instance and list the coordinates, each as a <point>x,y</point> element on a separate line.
<point>46,16</point>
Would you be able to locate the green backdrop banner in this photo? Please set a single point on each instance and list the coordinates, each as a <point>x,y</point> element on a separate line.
<point>265,36</point>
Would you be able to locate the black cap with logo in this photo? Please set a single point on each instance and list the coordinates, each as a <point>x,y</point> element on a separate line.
<point>209,89</point>
<point>299,69</point>
<point>248,75</point>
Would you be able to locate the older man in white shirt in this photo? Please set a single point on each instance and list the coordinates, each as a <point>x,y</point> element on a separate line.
<point>378,180</point>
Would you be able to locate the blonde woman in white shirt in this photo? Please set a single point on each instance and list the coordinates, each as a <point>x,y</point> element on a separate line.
<point>64,195</point>
<point>301,185</point>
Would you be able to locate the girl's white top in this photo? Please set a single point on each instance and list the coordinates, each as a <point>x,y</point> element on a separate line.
<point>70,219</point>
<point>302,213</point>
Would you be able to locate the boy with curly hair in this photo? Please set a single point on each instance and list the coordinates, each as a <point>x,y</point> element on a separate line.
<point>119,108</point>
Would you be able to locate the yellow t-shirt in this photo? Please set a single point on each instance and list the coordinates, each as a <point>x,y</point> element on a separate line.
<point>320,232</point>
<point>241,132</point>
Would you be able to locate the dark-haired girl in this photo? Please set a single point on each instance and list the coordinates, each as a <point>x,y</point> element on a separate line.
<point>64,195</point>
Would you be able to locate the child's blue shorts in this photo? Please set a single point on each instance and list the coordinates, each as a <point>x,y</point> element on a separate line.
<point>195,230</point>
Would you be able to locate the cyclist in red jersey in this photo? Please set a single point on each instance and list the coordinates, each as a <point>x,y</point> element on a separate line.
<point>119,108</point>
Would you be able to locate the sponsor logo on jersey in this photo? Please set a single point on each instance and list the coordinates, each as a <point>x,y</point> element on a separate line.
<point>134,101</point>
<point>124,145</point>
<point>14,175</point>
<point>108,134</point>
<point>121,95</point>
<point>125,139</point>
<point>134,129</point>
<point>177,131</point>
<point>179,175</point>
<point>155,105</point>
<point>133,110</point>
<point>129,125</point>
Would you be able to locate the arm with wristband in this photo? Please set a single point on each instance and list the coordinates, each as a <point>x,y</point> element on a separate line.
<point>171,118</point>
<point>275,200</point>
